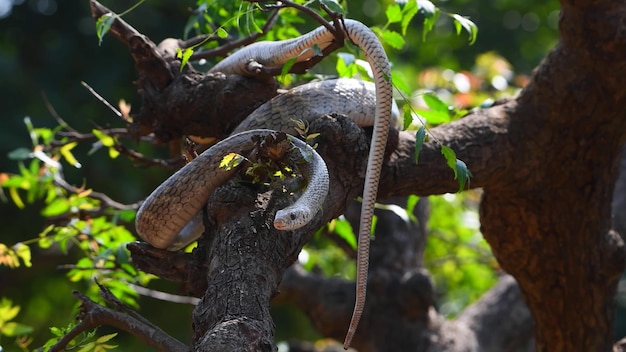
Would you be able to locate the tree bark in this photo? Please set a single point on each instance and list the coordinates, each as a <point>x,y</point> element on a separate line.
<point>247,256</point>
<point>550,226</point>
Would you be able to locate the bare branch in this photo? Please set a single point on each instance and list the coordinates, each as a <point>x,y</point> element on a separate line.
<point>54,113</point>
<point>92,315</point>
<point>106,202</point>
<point>164,296</point>
<point>102,100</point>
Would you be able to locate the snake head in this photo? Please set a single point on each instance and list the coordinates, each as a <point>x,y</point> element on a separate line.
<point>292,218</point>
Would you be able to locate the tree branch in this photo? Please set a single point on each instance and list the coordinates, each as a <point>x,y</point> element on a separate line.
<point>223,50</point>
<point>93,315</point>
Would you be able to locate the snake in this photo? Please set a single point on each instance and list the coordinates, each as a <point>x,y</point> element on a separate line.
<point>275,54</point>
<point>168,218</point>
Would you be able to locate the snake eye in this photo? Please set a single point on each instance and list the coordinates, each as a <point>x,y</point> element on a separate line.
<point>292,216</point>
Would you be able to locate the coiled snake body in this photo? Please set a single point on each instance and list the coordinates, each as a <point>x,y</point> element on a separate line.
<point>179,199</point>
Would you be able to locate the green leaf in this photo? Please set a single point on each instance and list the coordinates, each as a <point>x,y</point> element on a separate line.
<point>344,230</point>
<point>287,66</point>
<point>430,13</point>
<point>15,329</point>
<point>184,56</point>
<point>346,66</point>
<point>103,24</point>
<point>407,116</point>
<point>251,25</point>
<point>420,137</point>
<point>470,27</point>
<point>436,104</point>
<point>394,13</point>
<point>393,38</point>
<point>45,134</point>
<point>461,172</point>
<point>373,228</point>
<point>333,6</point>
<point>317,51</point>
<point>89,347</point>
<point>399,82</point>
<point>411,202</point>
<point>20,154</point>
<point>435,117</point>
<point>450,157</point>
<point>57,331</point>
<point>105,338</point>
<point>7,310</point>
<point>221,33</point>
<point>23,251</point>
<point>408,12</point>
<point>56,207</point>
<point>464,174</point>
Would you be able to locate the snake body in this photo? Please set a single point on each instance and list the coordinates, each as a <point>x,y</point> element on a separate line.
<point>186,193</point>
<point>178,200</point>
<point>353,98</point>
<point>277,53</point>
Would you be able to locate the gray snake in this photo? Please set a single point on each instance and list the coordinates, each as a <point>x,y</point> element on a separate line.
<point>173,204</point>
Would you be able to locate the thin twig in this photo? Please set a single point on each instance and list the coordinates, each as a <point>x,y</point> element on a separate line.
<point>102,100</point>
<point>103,198</point>
<point>74,136</point>
<point>54,113</point>
<point>307,10</point>
<point>226,48</point>
<point>164,296</point>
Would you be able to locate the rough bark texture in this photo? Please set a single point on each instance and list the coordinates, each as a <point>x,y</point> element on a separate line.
<point>549,223</point>
<point>547,162</point>
<point>247,256</point>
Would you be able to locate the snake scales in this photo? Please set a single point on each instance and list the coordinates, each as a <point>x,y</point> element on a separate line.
<point>175,202</point>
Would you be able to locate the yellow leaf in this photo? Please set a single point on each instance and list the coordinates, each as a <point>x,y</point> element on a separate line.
<point>66,151</point>
<point>85,193</point>
<point>16,197</point>
<point>113,153</point>
<point>105,338</point>
<point>23,251</point>
<point>231,161</point>
<point>312,136</point>
<point>105,139</point>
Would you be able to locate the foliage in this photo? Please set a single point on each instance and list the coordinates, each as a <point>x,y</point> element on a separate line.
<point>80,223</point>
<point>456,254</point>
<point>10,328</point>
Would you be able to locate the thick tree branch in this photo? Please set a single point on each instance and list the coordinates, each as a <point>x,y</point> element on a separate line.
<point>175,103</point>
<point>500,319</point>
